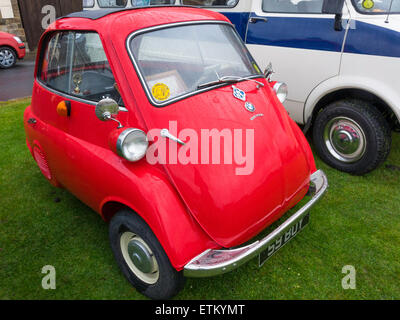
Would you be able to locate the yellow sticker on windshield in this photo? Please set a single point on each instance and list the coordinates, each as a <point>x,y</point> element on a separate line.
<point>368,4</point>
<point>160,91</point>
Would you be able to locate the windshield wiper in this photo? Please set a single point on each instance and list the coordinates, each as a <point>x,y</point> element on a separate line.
<point>229,79</point>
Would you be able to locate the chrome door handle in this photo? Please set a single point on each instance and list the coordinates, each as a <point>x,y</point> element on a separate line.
<point>256,19</point>
<point>165,134</point>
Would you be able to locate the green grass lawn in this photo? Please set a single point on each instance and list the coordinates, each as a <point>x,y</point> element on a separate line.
<point>357,223</point>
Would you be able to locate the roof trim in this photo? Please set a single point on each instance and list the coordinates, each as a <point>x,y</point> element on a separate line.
<point>101,13</point>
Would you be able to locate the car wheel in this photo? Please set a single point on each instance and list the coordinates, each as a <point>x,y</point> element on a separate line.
<point>141,257</point>
<point>352,136</point>
<point>8,58</point>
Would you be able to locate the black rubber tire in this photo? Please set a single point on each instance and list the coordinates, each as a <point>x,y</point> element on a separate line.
<point>376,129</point>
<point>14,55</point>
<point>170,281</point>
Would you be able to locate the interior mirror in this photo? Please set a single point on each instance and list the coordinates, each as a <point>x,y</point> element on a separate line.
<point>106,109</point>
<point>332,6</point>
<point>268,71</point>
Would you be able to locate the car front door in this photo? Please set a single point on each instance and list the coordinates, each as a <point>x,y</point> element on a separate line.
<point>300,41</point>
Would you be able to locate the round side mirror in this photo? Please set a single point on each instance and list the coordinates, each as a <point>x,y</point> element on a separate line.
<point>106,108</point>
<point>268,71</point>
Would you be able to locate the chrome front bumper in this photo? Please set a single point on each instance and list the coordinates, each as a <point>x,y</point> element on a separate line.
<point>215,262</point>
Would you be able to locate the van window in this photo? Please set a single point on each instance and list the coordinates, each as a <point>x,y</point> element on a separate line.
<point>74,63</point>
<point>141,3</point>
<point>88,3</point>
<point>377,7</point>
<point>292,6</point>
<point>112,3</point>
<point>210,3</point>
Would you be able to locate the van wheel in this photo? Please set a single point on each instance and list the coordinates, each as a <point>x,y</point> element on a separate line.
<point>141,257</point>
<point>352,136</point>
<point>8,58</point>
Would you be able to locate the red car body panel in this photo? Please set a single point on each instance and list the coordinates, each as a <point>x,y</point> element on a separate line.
<point>189,208</point>
<point>7,39</point>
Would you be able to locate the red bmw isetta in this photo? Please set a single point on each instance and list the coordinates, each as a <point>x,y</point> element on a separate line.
<point>160,120</point>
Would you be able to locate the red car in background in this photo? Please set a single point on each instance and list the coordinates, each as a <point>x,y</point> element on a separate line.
<point>12,48</point>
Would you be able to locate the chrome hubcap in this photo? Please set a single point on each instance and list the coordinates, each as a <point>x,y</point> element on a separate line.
<point>139,257</point>
<point>345,139</point>
<point>6,58</point>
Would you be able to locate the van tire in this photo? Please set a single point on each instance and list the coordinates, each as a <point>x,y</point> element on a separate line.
<point>167,282</point>
<point>345,125</point>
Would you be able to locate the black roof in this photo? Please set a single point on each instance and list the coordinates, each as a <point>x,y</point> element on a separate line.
<point>97,14</point>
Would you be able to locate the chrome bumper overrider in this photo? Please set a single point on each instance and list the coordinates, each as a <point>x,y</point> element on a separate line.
<point>215,262</point>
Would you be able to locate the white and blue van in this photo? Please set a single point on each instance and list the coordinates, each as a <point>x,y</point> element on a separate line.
<point>340,59</point>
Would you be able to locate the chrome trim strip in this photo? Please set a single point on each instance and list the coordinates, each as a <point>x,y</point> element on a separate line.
<point>172,25</point>
<point>215,262</point>
<point>71,97</point>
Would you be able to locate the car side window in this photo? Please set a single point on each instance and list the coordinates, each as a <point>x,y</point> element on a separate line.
<point>75,63</point>
<point>210,3</point>
<point>292,6</point>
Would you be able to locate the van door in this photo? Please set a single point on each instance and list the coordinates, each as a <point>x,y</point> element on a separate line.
<point>300,41</point>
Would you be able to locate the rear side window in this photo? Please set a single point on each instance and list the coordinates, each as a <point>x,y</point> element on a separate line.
<point>75,63</point>
<point>210,3</point>
<point>292,6</point>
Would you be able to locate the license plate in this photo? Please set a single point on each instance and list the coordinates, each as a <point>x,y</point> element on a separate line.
<point>282,239</point>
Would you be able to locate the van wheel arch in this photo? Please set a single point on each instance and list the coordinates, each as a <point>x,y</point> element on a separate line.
<point>355,94</point>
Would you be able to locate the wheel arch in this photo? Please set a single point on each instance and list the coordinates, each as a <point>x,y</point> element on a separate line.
<point>337,89</point>
<point>180,236</point>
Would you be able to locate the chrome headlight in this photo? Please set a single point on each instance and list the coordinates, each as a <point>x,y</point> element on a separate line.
<point>281,91</point>
<point>132,144</point>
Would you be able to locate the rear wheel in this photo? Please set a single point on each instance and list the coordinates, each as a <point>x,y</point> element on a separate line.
<point>352,136</point>
<point>8,58</point>
<point>141,257</point>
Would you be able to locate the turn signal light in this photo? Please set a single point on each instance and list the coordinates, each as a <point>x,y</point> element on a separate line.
<point>64,108</point>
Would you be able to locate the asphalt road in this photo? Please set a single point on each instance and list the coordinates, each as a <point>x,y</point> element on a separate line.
<point>17,82</point>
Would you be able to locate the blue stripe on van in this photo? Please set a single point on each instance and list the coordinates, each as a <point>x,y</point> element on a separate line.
<point>301,33</point>
<point>370,39</point>
<point>318,34</point>
<point>239,19</point>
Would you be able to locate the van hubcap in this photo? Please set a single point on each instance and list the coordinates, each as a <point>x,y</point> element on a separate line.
<point>6,58</point>
<point>139,257</point>
<point>345,139</point>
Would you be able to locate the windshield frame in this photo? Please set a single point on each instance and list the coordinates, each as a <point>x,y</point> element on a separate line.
<point>189,94</point>
<point>354,3</point>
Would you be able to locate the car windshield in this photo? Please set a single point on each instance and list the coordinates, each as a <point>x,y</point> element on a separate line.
<point>175,62</point>
<point>377,6</point>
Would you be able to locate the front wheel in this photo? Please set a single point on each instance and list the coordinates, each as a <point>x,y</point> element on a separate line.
<point>8,58</point>
<point>352,136</point>
<point>141,257</point>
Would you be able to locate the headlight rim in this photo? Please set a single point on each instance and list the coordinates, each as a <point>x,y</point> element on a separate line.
<point>281,86</point>
<point>122,138</point>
